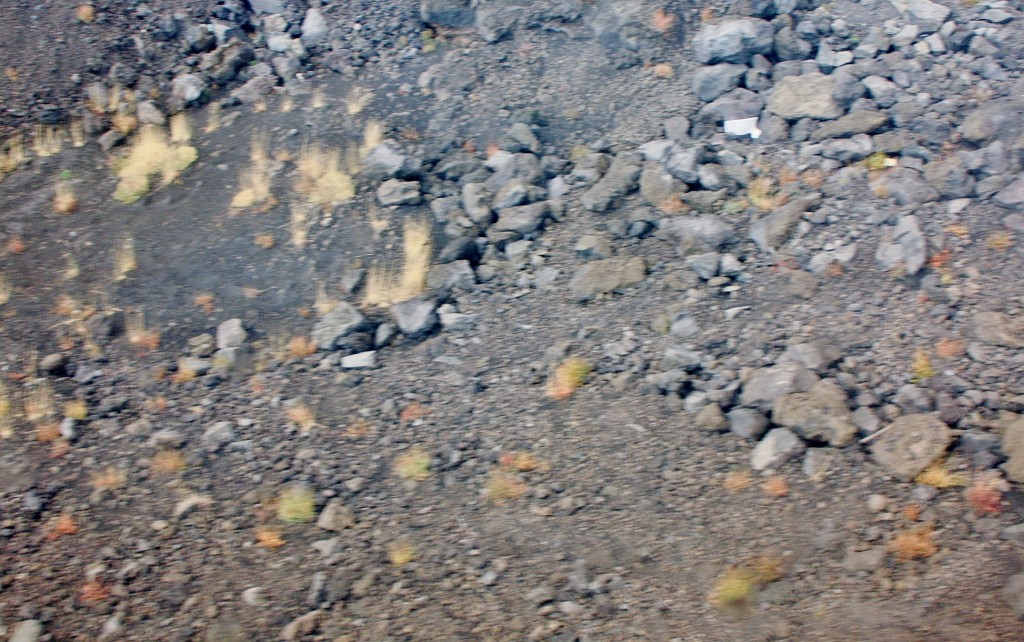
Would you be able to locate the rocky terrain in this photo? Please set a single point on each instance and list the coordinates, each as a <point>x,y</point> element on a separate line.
<point>512,320</point>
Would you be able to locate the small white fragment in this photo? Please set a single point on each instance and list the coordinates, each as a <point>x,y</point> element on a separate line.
<point>742,127</point>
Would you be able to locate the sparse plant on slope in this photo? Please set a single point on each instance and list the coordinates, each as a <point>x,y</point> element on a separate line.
<point>255,179</point>
<point>296,505</point>
<point>322,180</point>
<point>385,285</point>
<point>152,154</point>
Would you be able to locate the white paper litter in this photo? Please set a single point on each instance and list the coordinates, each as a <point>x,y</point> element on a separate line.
<point>742,127</point>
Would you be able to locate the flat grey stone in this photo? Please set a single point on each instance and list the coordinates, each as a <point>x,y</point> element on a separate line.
<point>747,423</point>
<point>903,247</point>
<point>733,40</point>
<point>708,83</point>
<point>997,329</point>
<point>910,444</point>
<point>924,13</point>
<point>863,121</point>
<point>619,180</point>
<point>1011,196</point>
<point>904,185</point>
<point>360,360</point>
<point>778,446</point>
<point>820,414</point>
<point>398,192</point>
<point>805,96</point>
<point>343,320</point>
<point>766,385</point>
<point>231,334</point>
<point>608,275</point>
<point>416,317</point>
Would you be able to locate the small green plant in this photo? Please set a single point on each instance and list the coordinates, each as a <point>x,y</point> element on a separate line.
<point>877,162</point>
<point>735,592</point>
<point>567,378</point>
<point>921,368</point>
<point>295,505</point>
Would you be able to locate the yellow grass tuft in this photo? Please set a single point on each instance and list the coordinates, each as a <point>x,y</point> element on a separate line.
<point>737,480</point>
<point>567,377</point>
<point>76,409</point>
<point>663,70</point>
<point>46,141</point>
<point>302,416</point>
<point>357,100</point>
<point>124,259</point>
<point>181,129</point>
<point>64,199</point>
<point>300,347</point>
<point>287,103</point>
<point>938,475</point>
<point>39,403</point>
<point>503,485</point>
<point>373,135</point>
<point>401,552</point>
<point>212,118</point>
<point>296,505</point>
<point>6,290</point>
<point>321,179</point>
<point>12,154</point>
<point>150,154</point>
<point>85,13</point>
<point>167,462</point>
<point>77,131</point>
<point>413,464</point>
<point>762,195</point>
<point>6,413</point>
<point>255,179</point>
<point>323,303</point>
<point>110,478</point>
<point>138,335</point>
<point>385,286</point>
<point>735,592</point>
<point>319,99</point>
<point>298,225</point>
<point>921,367</point>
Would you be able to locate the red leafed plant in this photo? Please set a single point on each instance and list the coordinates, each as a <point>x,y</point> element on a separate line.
<point>985,494</point>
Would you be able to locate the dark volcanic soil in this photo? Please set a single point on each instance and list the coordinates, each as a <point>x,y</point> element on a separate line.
<point>440,486</point>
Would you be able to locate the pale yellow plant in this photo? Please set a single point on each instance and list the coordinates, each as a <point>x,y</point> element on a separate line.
<point>255,179</point>
<point>373,135</point>
<point>47,141</point>
<point>39,403</point>
<point>6,290</point>
<point>299,224</point>
<point>181,129</point>
<point>124,259</point>
<point>150,154</point>
<point>323,303</point>
<point>357,100</point>
<point>321,177</point>
<point>385,285</point>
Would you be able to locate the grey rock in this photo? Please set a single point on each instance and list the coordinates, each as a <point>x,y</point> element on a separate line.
<point>314,27</point>
<point>447,13</point>
<point>266,6</point>
<point>360,360</point>
<point>905,185</point>
<point>848,150</point>
<point>997,329</point>
<point>709,232</point>
<point>456,274</point>
<point>593,247</point>
<point>737,104</point>
<point>862,121</point>
<point>607,276</point>
<point>149,114</point>
<point>217,436</point>
<point>926,14</point>
<point>766,385</point>
<point>523,219</point>
<point>846,88</point>
<point>882,90</point>
<point>1014,534</point>
<point>708,83</point>
<point>188,88</point>
<point>909,444</point>
<point>456,322</point>
<point>828,59</point>
<point>810,355</point>
<point>1013,593</point>
<point>778,446</point>
<point>705,265</point>
<point>1012,196</point>
<point>27,631</point>
<point>903,247</point>
<point>199,39</point>
<point>398,192</point>
<point>1000,118</point>
<point>747,423</point>
<point>512,167</point>
<point>254,89</point>
<point>416,317</point>
<point>733,40</point>
<point>790,46</point>
<point>231,334</point>
<point>619,180</point>
<point>710,418</point>
<point>684,162</point>
<point>950,178</point>
<point>340,322</point>
<point>805,96</point>
<point>476,200</point>
<point>496,21</point>
<point>817,462</point>
<point>166,438</point>
<point>773,230</point>
<point>1012,447</point>
<point>864,561</point>
<point>512,194</point>
<point>677,357</point>
<point>301,626</point>
<point>520,138</point>
<point>819,414</point>
<point>336,516</point>
<point>387,160</point>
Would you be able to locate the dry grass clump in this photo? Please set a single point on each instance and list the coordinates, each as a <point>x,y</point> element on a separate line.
<point>255,179</point>
<point>302,416</point>
<point>762,195</point>
<point>152,153</point>
<point>567,377</point>
<point>46,141</point>
<point>76,409</point>
<point>167,461</point>
<point>373,135</point>
<point>138,335</point>
<point>985,494</point>
<point>6,413</point>
<point>736,590</point>
<point>298,226</point>
<point>64,199</point>
<point>321,178</point>
<point>300,347</point>
<point>914,543</point>
<point>401,552</point>
<point>85,13</point>
<point>938,475</point>
<point>12,154</point>
<point>124,259</point>
<point>296,505</point>
<point>737,480</point>
<point>503,485</point>
<point>6,289</point>
<point>386,286</point>
<point>269,538</point>
<point>413,464</point>
<point>39,403</point>
<point>110,478</point>
<point>357,100</point>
